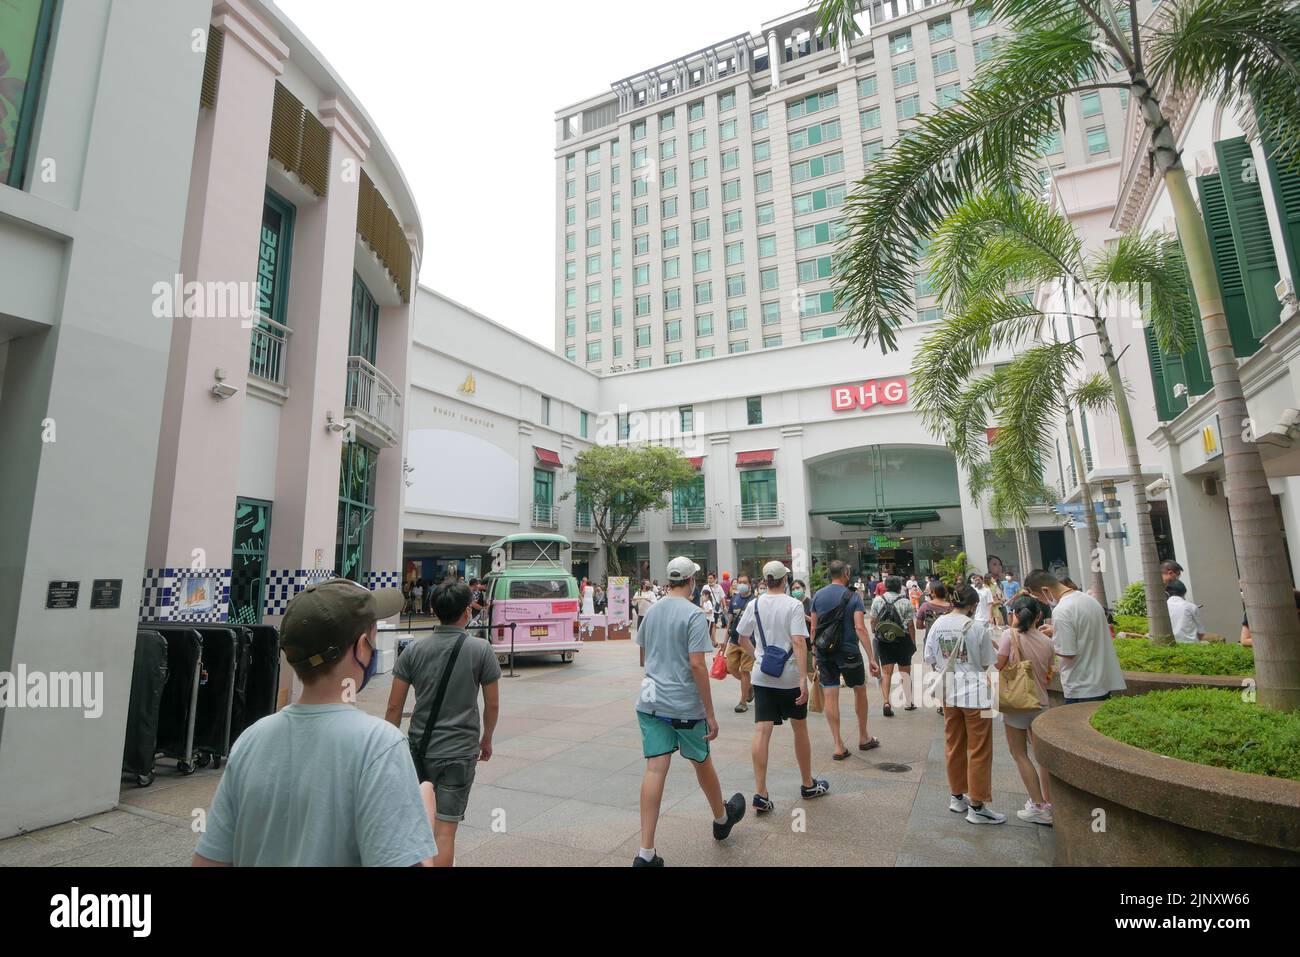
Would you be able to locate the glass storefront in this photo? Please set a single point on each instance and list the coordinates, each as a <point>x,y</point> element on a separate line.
<point>356,510</point>
<point>891,553</point>
<point>248,560</point>
<point>753,553</point>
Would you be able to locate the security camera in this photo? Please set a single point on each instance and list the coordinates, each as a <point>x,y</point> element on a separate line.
<point>1180,390</point>
<point>221,390</point>
<point>1284,290</point>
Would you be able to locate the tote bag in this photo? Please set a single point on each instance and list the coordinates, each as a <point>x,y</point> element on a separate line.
<point>1017,690</point>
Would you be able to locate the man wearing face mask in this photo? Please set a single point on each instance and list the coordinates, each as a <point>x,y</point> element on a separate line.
<point>321,783</point>
<point>740,663</point>
<point>1090,668</point>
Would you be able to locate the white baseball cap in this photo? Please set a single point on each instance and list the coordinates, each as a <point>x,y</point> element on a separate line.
<point>681,569</point>
<point>775,569</point>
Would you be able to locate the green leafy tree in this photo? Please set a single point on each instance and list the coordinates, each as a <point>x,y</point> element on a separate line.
<point>619,482</point>
<point>1240,52</point>
<point>949,568</point>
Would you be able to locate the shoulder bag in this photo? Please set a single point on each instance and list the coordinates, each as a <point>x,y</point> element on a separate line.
<point>417,753</point>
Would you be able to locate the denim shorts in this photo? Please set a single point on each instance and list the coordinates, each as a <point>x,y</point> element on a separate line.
<point>451,779</point>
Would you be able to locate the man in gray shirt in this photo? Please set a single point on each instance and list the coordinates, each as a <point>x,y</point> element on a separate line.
<point>452,746</point>
<point>675,706</point>
<point>321,783</point>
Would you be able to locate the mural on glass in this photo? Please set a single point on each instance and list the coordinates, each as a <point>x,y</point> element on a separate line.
<point>356,510</point>
<point>24,30</point>
<point>248,560</point>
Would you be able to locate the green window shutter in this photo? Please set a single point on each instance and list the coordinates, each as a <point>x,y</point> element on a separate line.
<point>1164,410</point>
<point>1251,236</point>
<point>1286,190</point>
<point>1214,209</point>
<point>1196,360</point>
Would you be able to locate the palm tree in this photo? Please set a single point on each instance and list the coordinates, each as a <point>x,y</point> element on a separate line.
<point>1230,49</point>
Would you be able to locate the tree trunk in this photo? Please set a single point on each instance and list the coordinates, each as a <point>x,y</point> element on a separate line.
<point>1096,583</point>
<point>1256,531</point>
<point>1022,552</point>
<point>1159,630</point>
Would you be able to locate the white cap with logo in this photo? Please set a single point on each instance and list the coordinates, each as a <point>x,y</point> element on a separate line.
<point>682,569</point>
<point>775,569</point>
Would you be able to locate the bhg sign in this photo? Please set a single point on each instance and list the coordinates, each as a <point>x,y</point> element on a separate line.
<point>845,398</point>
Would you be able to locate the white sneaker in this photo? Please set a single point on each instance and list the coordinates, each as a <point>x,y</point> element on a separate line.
<point>1034,814</point>
<point>958,805</point>
<point>983,815</point>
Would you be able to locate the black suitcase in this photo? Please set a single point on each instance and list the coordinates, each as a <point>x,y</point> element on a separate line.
<point>180,696</point>
<point>221,649</point>
<point>148,679</point>
<point>261,690</point>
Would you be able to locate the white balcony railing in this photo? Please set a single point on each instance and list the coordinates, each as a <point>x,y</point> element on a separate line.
<point>583,522</point>
<point>685,518</point>
<point>373,400</point>
<point>545,516</point>
<point>266,350</point>
<point>762,513</point>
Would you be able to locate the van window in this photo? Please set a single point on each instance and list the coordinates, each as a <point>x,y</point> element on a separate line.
<point>539,588</point>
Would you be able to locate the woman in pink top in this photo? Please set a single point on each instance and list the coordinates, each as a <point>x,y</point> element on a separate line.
<point>1024,642</point>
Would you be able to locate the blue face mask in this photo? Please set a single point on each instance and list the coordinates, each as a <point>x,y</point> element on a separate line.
<point>368,670</point>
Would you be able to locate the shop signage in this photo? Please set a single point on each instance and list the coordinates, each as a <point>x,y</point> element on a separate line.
<point>883,543</point>
<point>618,609</point>
<point>62,594</point>
<point>845,398</point>
<point>1211,441</point>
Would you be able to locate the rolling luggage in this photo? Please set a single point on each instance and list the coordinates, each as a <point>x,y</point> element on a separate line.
<point>148,679</point>
<point>222,646</point>
<point>178,709</point>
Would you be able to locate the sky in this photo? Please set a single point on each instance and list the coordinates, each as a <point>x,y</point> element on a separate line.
<point>466,95</point>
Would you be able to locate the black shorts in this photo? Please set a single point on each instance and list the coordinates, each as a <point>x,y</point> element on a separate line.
<point>777,704</point>
<point>830,670</point>
<point>900,651</point>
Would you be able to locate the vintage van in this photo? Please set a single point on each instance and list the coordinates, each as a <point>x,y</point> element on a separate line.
<point>532,597</point>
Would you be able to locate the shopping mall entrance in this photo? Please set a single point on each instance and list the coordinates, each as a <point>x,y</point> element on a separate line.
<point>885,509</point>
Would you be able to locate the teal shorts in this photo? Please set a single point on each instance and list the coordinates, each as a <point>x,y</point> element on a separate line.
<point>660,736</point>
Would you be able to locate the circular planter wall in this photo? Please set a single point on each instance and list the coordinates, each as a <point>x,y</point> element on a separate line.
<point>1116,805</point>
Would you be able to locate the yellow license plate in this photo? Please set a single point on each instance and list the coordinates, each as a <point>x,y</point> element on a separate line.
<point>538,631</point>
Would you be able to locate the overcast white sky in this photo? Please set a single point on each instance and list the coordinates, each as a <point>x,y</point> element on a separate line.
<point>466,94</point>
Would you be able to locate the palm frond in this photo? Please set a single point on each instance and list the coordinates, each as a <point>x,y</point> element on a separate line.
<point>1232,49</point>
<point>1151,271</point>
<point>1093,394</point>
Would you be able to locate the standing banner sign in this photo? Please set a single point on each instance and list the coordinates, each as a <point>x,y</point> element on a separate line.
<point>619,608</point>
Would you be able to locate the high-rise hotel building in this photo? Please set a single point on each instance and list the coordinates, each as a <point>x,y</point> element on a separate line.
<point>699,201</point>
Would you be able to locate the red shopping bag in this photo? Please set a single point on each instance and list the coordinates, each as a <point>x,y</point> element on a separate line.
<point>719,669</point>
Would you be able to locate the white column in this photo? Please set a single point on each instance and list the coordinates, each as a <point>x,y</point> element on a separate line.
<point>774,58</point>
<point>792,491</point>
<point>972,527</point>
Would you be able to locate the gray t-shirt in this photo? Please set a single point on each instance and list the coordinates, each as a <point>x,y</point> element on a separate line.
<point>320,785</point>
<point>1081,631</point>
<point>672,629</point>
<point>457,731</point>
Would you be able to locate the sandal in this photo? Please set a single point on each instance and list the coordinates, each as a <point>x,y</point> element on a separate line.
<point>870,745</point>
<point>742,707</point>
<point>889,711</point>
<point>841,756</point>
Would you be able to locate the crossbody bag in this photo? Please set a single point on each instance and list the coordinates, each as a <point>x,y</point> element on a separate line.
<point>417,754</point>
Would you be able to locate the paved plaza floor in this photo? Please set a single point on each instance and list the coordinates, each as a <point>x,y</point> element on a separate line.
<point>563,789</point>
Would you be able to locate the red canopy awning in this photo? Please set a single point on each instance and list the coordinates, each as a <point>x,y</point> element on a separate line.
<point>697,462</point>
<point>757,457</point>
<point>547,457</point>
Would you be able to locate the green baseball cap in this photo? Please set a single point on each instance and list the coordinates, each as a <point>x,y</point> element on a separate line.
<point>326,618</point>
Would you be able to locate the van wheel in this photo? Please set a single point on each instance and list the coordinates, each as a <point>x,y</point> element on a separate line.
<point>566,656</point>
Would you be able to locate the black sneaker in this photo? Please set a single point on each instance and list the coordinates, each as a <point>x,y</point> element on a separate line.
<point>735,811</point>
<point>640,861</point>
<point>762,805</point>
<point>819,787</point>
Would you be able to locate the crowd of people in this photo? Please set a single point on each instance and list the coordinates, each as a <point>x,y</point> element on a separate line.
<point>322,783</point>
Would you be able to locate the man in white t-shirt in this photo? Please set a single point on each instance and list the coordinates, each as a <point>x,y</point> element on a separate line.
<point>775,621</point>
<point>1090,668</point>
<point>984,609</point>
<point>1184,616</point>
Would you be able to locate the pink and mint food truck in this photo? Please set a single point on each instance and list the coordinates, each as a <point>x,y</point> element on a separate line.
<point>531,588</point>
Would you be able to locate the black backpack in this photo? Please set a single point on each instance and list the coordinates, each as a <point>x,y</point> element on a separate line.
<point>830,627</point>
<point>889,623</point>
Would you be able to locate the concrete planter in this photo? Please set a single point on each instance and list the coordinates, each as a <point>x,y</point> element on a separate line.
<point>1140,682</point>
<point>1116,805</point>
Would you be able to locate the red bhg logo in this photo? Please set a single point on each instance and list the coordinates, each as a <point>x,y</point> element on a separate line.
<point>869,393</point>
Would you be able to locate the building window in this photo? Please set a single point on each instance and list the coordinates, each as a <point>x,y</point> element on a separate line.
<point>700,229</point>
<point>731,191</point>
<point>686,418</point>
<point>669,238</point>
<point>727,101</point>
<point>266,358</point>
<point>593,264</point>
<point>727,131</point>
<point>248,565</point>
<point>1097,142</point>
<point>618,346</point>
<point>704,325</point>
<point>873,151</point>
<point>673,330</point>
<point>945,96</point>
<point>703,293</point>
<point>642,336</point>
<point>582,424</point>
<point>771,313</point>
<point>593,350</point>
<point>765,214</point>
<point>733,221</point>
<point>762,151</point>
<point>624,425</point>
<point>867,86</point>
<point>666,122</point>
<point>824,132</point>
<point>1090,103</point>
<point>730,160</point>
<point>737,319</point>
<point>754,410</point>
<point>735,347</point>
<point>672,358</point>
<point>817,166</point>
<point>940,30</point>
<point>593,322</point>
<point>735,285</point>
<point>642,363</point>
<point>763,182</point>
<point>770,341</point>
<point>700,198</point>
<point>668,178</point>
<point>698,139</point>
<point>766,246</point>
<point>811,104</point>
<point>668,208</point>
<point>768,279</point>
<point>909,106</point>
<point>704,352</point>
<point>869,119</point>
<point>570,327</point>
<point>904,74</point>
<point>701,260</point>
<point>695,111</point>
<point>672,268</point>
<point>571,353</point>
<point>641,244</point>
<point>900,42</point>
<point>672,299</point>
<point>357,470</point>
<point>945,62</point>
<point>668,149</point>
<point>758,121</point>
<point>734,254</point>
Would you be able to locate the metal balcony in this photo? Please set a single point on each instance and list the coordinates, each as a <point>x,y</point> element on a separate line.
<point>545,516</point>
<point>266,350</point>
<point>685,518</point>
<point>373,403</point>
<point>762,513</point>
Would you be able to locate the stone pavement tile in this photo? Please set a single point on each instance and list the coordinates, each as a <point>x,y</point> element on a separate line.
<point>612,715</point>
<point>519,806</point>
<point>179,801</point>
<point>788,849</point>
<point>1005,776</point>
<point>687,841</point>
<point>553,778</point>
<point>25,852</point>
<point>623,789</point>
<point>526,852</point>
<point>938,837</point>
<point>468,838</point>
<point>583,825</point>
<point>605,757</point>
<point>507,727</point>
<point>500,765</point>
<point>550,712</point>
<point>530,747</point>
<point>566,730</point>
<point>625,736</point>
<point>150,846</point>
